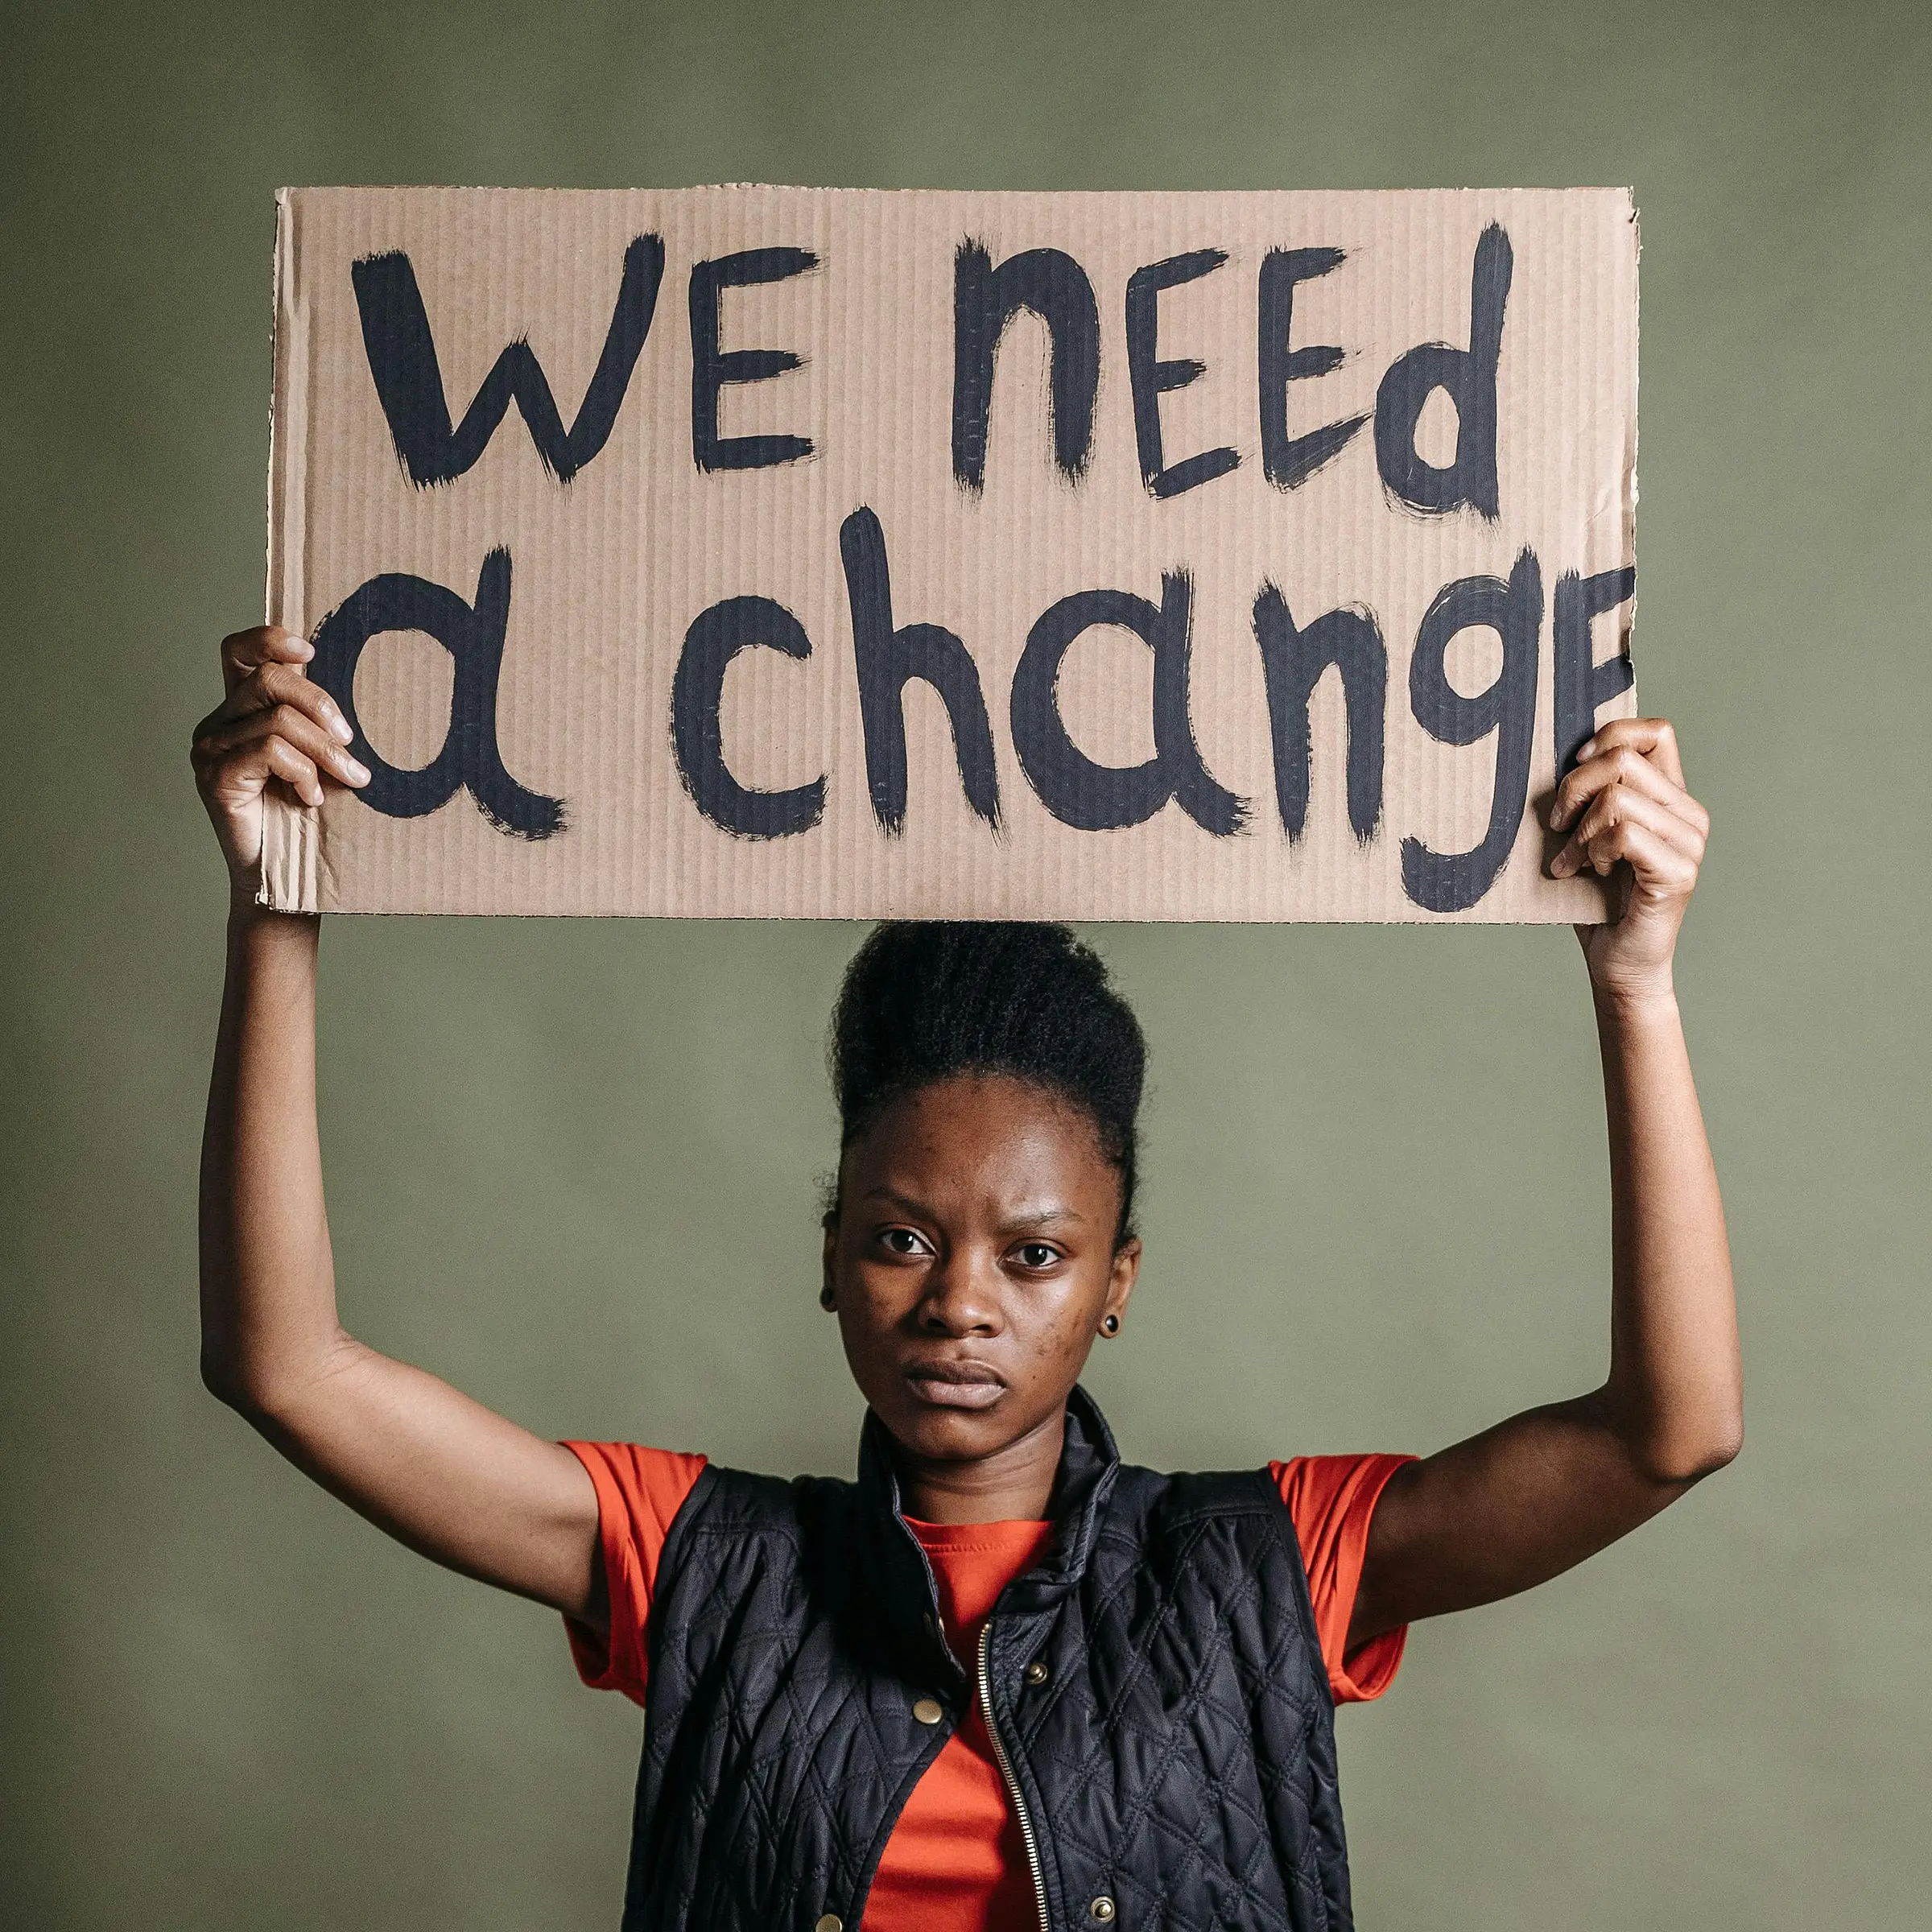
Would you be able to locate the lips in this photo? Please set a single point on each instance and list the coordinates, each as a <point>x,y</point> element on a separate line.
<point>957,1385</point>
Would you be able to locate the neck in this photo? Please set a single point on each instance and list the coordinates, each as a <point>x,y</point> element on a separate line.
<point>1014,1485</point>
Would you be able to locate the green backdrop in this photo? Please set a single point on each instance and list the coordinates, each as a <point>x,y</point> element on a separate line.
<point>572,1166</point>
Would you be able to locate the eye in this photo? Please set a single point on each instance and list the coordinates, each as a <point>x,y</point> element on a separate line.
<point>903,1241</point>
<point>1037,1254</point>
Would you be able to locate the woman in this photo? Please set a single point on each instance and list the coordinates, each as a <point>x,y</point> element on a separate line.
<point>1004,1680</point>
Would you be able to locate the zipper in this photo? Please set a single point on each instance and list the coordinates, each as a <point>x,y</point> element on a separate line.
<point>1012,1784</point>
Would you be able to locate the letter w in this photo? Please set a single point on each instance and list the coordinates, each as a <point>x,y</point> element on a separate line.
<point>409,382</point>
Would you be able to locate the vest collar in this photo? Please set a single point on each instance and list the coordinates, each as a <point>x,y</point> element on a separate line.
<point>1088,1463</point>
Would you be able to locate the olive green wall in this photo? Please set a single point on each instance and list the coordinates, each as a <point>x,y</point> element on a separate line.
<point>572,1166</point>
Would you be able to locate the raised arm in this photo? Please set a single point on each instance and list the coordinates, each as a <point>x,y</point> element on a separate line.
<point>1527,1499</point>
<point>437,1470</point>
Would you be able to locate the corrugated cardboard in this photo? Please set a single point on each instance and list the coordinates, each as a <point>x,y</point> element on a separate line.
<point>941,610</point>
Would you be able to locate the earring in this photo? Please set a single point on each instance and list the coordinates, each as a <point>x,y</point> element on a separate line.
<point>1110,1326</point>
<point>827,1300</point>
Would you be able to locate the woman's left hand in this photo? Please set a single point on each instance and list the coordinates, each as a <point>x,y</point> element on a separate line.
<point>1523,1501</point>
<point>1625,803</point>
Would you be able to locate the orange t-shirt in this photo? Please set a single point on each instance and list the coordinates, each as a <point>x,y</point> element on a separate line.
<point>955,1861</point>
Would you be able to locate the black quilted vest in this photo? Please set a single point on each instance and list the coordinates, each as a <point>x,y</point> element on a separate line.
<point>1156,1685</point>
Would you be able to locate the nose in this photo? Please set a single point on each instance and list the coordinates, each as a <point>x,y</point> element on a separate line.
<point>963,1296</point>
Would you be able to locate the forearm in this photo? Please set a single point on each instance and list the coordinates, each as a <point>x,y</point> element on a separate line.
<point>1522,1502</point>
<point>421,1460</point>
<point>1674,1392</point>
<point>268,1299</point>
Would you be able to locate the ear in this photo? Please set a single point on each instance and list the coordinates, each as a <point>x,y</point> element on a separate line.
<point>828,1252</point>
<point>1125,1272</point>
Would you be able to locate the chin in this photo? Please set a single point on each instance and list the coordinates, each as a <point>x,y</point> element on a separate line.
<point>950,1435</point>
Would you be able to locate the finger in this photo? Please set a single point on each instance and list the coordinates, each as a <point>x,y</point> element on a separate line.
<point>238,779</point>
<point>1661,865</point>
<point>286,685</point>
<point>1662,870</point>
<point>274,684</point>
<point>246,651</point>
<point>1623,805</point>
<point>289,765</point>
<point>295,728</point>
<point>1602,760</point>
<point>1618,802</point>
<point>1626,765</point>
<point>1653,737</point>
<point>245,698</point>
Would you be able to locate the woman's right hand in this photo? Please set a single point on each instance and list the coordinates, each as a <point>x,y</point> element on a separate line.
<point>272,724</point>
<point>441,1473</point>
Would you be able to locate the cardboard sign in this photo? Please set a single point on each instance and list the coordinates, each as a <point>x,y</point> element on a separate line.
<point>761,550</point>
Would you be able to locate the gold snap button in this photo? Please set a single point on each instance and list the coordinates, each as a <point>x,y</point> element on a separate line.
<point>1036,1674</point>
<point>1101,1910</point>
<point>927,1711</point>
<point>831,1922</point>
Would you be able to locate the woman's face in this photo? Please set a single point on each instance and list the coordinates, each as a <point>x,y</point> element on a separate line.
<point>974,1260</point>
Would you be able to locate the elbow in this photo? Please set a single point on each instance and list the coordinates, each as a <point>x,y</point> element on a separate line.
<point>1669,1445</point>
<point>1723,1449</point>
<point>1679,1464</point>
<point>267,1388</point>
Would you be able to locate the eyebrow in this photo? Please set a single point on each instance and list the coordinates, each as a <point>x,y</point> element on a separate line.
<point>1052,1213</point>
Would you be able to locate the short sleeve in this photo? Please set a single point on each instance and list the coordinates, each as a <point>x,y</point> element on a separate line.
<point>639,1493</point>
<point>1332,1499</point>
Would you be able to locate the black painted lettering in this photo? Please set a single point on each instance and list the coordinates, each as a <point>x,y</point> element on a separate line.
<point>409,380</point>
<point>1091,797</point>
<point>473,637</point>
<point>712,367</point>
<point>985,299</point>
<point>697,692</point>
<point>1451,881</point>
<point>1151,378</point>
<point>887,657</point>
<point>1469,377</point>
<point>1582,685</point>
<point>1294,661</point>
<point>1289,461</point>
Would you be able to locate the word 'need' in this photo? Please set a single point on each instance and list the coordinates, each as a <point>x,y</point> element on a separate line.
<point>1048,283</point>
<point>1075,789</point>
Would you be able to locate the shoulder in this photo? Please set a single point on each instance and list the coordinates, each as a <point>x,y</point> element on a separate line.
<point>639,1490</point>
<point>740,1503</point>
<point>1157,1515</point>
<point>1182,1496</point>
<point>1325,1500</point>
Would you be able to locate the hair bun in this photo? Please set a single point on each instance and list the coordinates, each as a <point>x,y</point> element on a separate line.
<point>927,1000</point>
